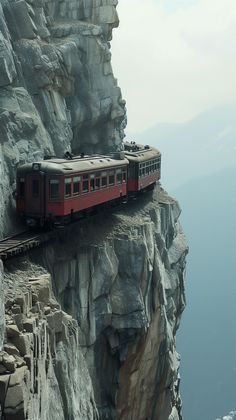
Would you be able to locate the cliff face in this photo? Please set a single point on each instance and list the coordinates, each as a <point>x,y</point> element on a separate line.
<point>2,308</point>
<point>43,374</point>
<point>120,276</point>
<point>57,89</point>
<point>90,319</point>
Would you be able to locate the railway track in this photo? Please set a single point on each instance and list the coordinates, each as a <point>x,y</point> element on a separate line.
<point>22,242</point>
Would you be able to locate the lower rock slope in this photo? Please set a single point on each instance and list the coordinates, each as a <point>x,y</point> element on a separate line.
<point>106,346</point>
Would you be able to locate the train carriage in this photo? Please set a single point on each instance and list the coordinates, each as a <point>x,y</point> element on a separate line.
<point>58,190</point>
<point>144,167</point>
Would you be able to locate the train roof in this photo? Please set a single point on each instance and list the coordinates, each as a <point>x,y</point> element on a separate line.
<point>139,153</point>
<point>74,165</point>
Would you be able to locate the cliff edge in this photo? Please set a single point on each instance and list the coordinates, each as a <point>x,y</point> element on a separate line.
<point>120,276</point>
<point>88,321</point>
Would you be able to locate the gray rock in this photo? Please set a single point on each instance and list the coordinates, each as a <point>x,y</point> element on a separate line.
<point>2,309</point>
<point>126,289</point>
<point>9,362</point>
<point>11,349</point>
<point>12,331</point>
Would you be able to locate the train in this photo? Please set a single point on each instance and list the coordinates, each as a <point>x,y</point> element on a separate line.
<point>56,191</point>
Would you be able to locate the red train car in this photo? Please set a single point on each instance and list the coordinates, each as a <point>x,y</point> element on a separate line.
<point>58,190</point>
<point>144,167</point>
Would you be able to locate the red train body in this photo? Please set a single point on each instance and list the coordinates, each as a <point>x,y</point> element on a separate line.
<point>60,190</point>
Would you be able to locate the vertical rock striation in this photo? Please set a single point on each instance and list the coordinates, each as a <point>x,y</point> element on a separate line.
<point>121,277</point>
<point>2,308</point>
<point>105,346</point>
<point>57,88</point>
<point>43,374</point>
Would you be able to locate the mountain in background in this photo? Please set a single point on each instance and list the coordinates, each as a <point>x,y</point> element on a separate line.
<point>207,338</point>
<point>199,168</point>
<point>199,147</point>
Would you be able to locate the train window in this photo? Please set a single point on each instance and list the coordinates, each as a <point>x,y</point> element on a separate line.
<point>97,184</point>
<point>68,187</point>
<point>119,178</point>
<point>111,179</point>
<point>35,188</point>
<point>124,176</point>
<point>76,185</point>
<point>85,183</point>
<point>22,187</point>
<point>104,181</point>
<point>54,188</point>
<point>92,183</point>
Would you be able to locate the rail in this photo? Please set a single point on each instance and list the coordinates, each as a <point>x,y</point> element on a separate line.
<point>22,242</point>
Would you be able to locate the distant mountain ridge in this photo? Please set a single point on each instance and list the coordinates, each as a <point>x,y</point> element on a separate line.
<point>208,359</point>
<point>199,147</point>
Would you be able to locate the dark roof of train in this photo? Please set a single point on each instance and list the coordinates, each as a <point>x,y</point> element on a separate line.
<point>77,164</point>
<point>139,153</point>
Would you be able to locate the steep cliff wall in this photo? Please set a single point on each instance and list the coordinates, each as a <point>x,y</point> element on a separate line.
<point>102,344</point>
<point>120,275</point>
<point>43,374</point>
<point>57,89</point>
<point>2,307</point>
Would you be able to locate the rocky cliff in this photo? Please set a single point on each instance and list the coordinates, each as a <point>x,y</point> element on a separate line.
<point>120,276</point>
<point>57,89</point>
<point>90,319</point>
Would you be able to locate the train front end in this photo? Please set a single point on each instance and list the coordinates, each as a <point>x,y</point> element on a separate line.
<point>144,167</point>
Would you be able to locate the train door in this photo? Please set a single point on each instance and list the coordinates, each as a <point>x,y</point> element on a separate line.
<point>35,194</point>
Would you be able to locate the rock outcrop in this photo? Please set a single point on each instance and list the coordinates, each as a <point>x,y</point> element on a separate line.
<point>121,277</point>
<point>102,343</point>
<point>57,89</point>
<point>2,307</point>
<point>43,374</point>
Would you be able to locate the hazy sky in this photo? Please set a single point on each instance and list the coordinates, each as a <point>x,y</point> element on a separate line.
<point>174,58</point>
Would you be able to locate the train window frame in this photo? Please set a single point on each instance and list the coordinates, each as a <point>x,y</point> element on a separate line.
<point>111,178</point>
<point>35,188</point>
<point>92,182</point>
<point>119,177</point>
<point>55,195</point>
<point>85,184</point>
<point>67,187</point>
<point>22,187</point>
<point>104,179</point>
<point>76,185</point>
<point>97,183</point>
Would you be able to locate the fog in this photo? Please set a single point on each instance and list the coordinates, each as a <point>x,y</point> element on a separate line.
<point>175,62</point>
<point>174,59</point>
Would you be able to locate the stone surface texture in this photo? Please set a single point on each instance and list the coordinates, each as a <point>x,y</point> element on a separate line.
<point>57,88</point>
<point>43,374</point>
<point>101,345</point>
<point>2,308</point>
<point>88,321</point>
<point>121,278</point>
